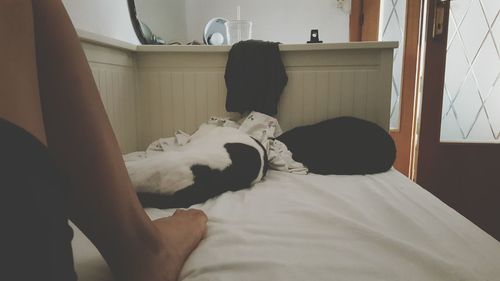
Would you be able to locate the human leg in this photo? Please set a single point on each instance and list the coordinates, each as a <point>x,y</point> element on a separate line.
<point>80,138</point>
<point>100,196</point>
<point>35,232</point>
<point>19,99</point>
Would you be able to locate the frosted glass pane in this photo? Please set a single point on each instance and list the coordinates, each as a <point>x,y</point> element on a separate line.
<point>392,28</point>
<point>471,98</point>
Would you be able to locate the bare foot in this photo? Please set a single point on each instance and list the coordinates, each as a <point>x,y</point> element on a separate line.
<point>181,234</point>
<point>178,237</point>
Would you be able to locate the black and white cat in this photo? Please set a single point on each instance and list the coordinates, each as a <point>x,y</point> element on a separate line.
<point>216,160</point>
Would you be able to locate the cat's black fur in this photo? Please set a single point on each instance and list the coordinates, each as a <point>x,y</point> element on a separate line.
<point>342,146</point>
<point>246,163</point>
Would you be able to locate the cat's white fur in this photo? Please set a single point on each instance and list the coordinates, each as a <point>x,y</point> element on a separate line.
<point>168,172</point>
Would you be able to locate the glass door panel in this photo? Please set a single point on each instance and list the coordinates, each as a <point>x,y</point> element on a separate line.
<point>392,28</point>
<point>471,98</point>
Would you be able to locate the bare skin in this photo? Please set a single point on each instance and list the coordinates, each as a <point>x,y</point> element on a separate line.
<point>179,236</point>
<point>46,87</point>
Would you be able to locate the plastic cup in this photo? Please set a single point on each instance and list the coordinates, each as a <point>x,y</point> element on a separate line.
<point>238,30</point>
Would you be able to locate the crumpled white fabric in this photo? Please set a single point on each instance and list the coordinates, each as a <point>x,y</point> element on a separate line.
<point>262,127</point>
<point>265,129</point>
<point>158,146</point>
<point>166,144</point>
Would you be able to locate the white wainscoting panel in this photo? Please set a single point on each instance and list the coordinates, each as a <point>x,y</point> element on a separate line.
<point>314,96</point>
<point>149,92</point>
<point>181,90</point>
<point>115,74</point>
<point>175,100</point>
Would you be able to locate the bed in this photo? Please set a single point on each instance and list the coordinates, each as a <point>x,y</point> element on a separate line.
<point>289,226</point>
<point>313,227</point>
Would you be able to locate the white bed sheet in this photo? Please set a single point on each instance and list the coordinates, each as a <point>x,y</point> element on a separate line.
<point>296,227</point>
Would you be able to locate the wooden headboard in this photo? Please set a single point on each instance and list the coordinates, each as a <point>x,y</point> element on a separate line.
<point>151,91</point>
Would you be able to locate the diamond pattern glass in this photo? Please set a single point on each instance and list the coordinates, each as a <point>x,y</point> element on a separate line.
<point>471,98</point>
<point>392,28</point>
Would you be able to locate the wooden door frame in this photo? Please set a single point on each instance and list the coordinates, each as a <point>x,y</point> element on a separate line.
<point>364,26</point>
<point>364,20</point>
<point>404,137</point>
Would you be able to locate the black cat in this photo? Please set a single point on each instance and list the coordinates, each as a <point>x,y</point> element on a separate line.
<point>342,146</point>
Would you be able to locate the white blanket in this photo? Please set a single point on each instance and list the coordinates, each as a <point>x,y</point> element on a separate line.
<point>311,227</point>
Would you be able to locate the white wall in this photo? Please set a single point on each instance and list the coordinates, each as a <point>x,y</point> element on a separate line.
<point>105,17</point>
<point>166,18</point>
<point>286,21</point>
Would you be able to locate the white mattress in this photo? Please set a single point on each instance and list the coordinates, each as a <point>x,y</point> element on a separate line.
<point>295,227</point>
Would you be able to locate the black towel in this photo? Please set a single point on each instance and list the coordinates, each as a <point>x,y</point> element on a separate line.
<point>255,77</point>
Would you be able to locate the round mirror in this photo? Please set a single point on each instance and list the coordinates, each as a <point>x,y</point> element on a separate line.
<point>142,30</point>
